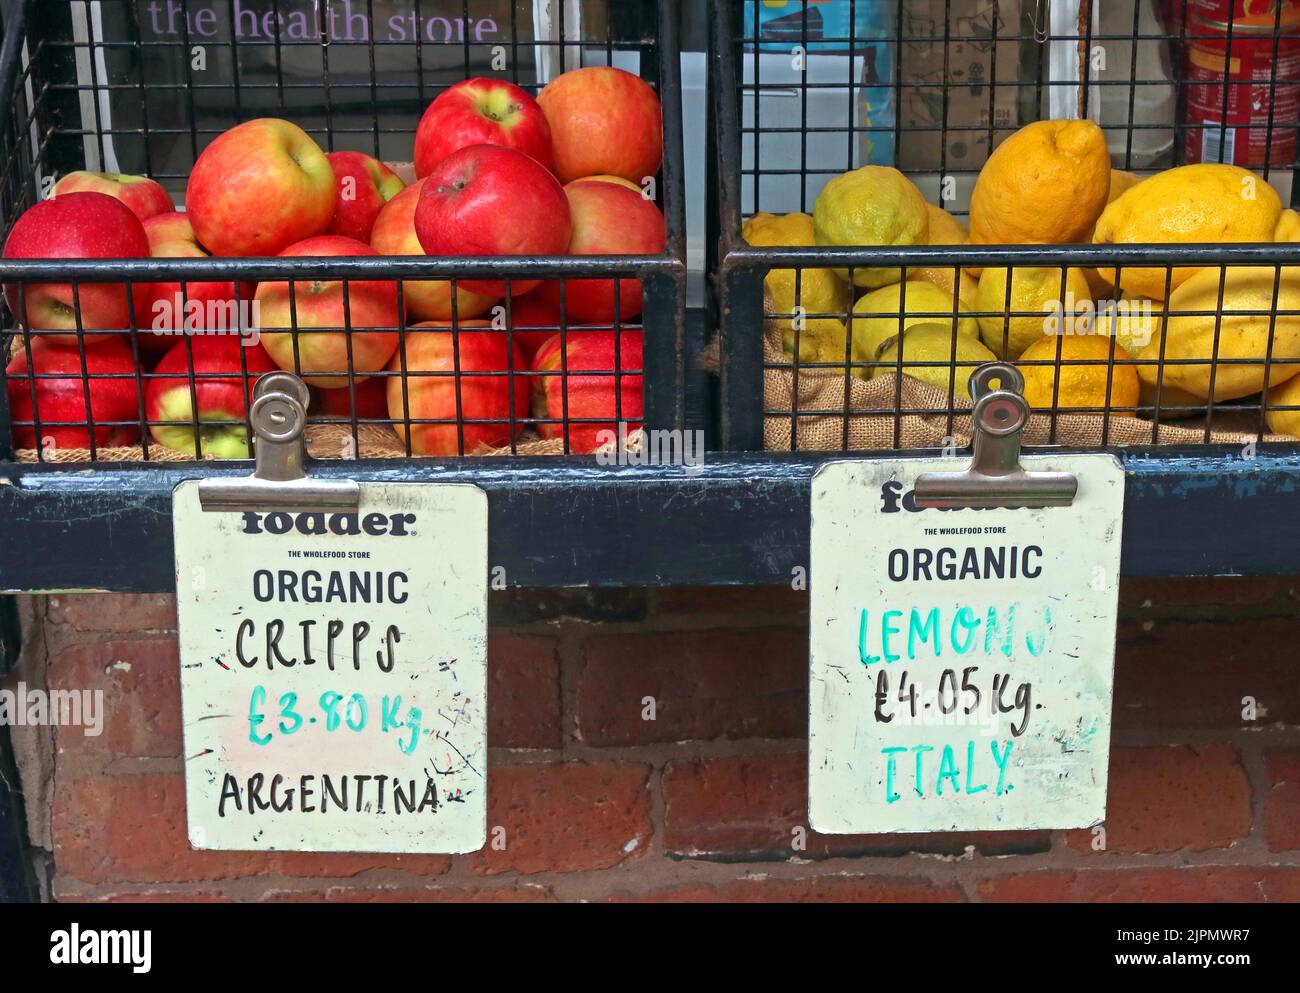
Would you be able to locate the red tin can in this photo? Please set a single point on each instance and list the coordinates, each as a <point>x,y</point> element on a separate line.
<point>1243,47</point>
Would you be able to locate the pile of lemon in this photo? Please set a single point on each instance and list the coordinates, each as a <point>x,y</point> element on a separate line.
<point>1051,182</point>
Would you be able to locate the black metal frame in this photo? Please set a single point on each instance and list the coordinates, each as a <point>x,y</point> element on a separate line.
<point>736,520</point>
<point>663,372</point>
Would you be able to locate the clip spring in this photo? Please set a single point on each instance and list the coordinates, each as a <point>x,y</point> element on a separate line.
<point>995,478</point>
<point>280,481</point>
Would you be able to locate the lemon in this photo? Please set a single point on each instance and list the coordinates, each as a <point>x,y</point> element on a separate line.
<point>1207,202</point>
<point>1134,322</point>
<point>821,339</point>
<point>1286,394</point>
<point>1288,226</point>
<point>1064,385</point>
<point>1172,399</point>
<point>1036,295</point>
<point>874,205</point>
<point>1241,336</point>
<point>1045,184</point>
<point>946,230</point>
<point>925,303</point>
<point>1102,282</point>
<point>932,354</point>
<point>817,291</point>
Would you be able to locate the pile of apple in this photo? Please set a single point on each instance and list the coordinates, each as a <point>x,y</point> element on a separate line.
<point>499,173</point>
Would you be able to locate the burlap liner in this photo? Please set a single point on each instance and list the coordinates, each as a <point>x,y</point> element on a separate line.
<point>324,441</point>
<point>878,410</point>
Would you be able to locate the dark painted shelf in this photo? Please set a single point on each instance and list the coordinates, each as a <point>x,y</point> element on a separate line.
<point>735,521</point>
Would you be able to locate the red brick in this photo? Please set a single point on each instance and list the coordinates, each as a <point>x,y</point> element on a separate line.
<point>114,612</point>
<point>146,896</point>
<point>1282,802</point>
<point>140,681</point>
<point>1173,799</point>
<point>523,692</point>
<point>132,829</point>
<point>445,894</point>
<point>1186,884</point>
<point>584,604</point>
<point>1186,674</point>
<point>706,684</point>
<point>1198,591</point>
<point>733,809</point>
<point>565,817</point>
<point>826,889</point>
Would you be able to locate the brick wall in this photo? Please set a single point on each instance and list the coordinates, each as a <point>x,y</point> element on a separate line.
<point>707,801</point>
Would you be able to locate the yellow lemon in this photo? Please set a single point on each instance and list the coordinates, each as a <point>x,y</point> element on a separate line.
<point>1172,399</point>
<point>1240,335</point>
<point>1045,184</point>
<point>1134,322</point>
<point>821,339</point>
<point>946,230</point>
<point>874,205</point>
<point>933,354</point>
<point>925,303</point>
<point>1038,299</point>
<point>783,230</point>
<point>1121,182</point>
<point>1207,202</point>
<point>1286,394</point>
<point>817,291</point>
<point>1102,283</point>
<point>1078,380</point>
<point>1288,226</point>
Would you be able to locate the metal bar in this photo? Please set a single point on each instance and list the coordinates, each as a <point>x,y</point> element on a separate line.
<point>741,521</point>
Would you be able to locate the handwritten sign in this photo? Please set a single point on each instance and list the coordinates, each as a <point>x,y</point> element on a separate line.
<point>961,661</point>
<point>334,673</point>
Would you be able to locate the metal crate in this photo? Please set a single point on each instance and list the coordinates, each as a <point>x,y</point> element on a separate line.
<point>113,85</point>
<point>786,123</point>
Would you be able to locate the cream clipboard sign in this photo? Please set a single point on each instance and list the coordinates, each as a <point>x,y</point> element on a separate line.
<point>334,673</point>
<point>961,660</point>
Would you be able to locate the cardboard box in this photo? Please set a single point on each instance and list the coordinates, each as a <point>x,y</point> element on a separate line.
<point>971,66</point>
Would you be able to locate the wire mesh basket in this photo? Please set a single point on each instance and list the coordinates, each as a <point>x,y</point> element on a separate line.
<point>142,88</point>
<point>906,191</point>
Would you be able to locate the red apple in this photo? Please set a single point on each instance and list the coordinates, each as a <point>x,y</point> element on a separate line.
<point>489,200</point>
<point>609,219</point>
<point>78,226</point>
<point>618,181</point>
<point>259,188</point>
<point>145,197</point>
<point>604,121</point>
<point>536,319</point>
<point>481,112</point>
<point>424,299</point>
<point>60,401</point>
<point>364,185</point>
<point>434,397</point>
<point>325,323</point>
<point>372,401</point>
<point>222,393</point>
<point>211,306</point>
<point>594,390</point>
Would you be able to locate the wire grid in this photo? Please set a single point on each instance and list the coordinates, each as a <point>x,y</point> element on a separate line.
<point>133,87</point>
<point>799,121</point>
